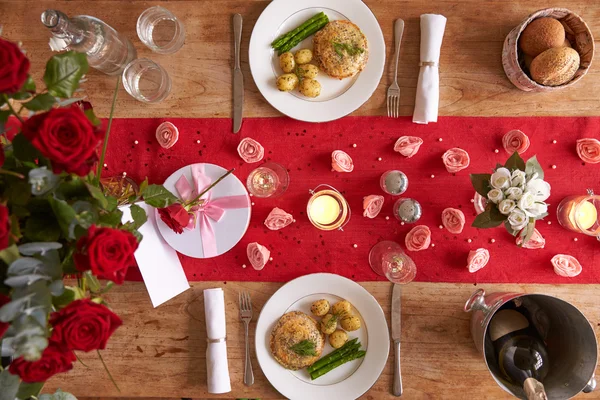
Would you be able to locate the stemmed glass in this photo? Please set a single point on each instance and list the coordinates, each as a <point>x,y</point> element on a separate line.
<point>268,180</point>
<point>388,259</point>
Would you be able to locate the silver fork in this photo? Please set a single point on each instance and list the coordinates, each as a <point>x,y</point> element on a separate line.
<point>246,317</point>
<point>393,93</point>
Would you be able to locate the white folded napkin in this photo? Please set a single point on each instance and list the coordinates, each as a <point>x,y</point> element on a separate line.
<point>428,87</point>
<point>217,368</point>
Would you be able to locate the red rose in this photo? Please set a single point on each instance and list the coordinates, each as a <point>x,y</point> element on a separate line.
<point>83,325</point>
<point>54,361</point>
<point>13,68</point>
<point>3,325</point>
<point>175,216</point>
<point>107,252</point>
<point>4,227</point>
<point>66,137</point>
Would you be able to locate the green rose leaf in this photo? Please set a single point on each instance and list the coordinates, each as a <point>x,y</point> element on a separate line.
<point>4,114</point>
<point>515,162</point>
<point>89,113</point>
<point>69,295</point>
<point>41,102</point>
<point>24,150</point>
<point>65,215</point>
<point>488,219</point>
<point>9,384</point>
<point>481,183</point>
<point>21,95</point>
<point>29,85</point>
<point>9,254</point>
<point>63,72</point>
<point>510,229</point>
<point>112,203</point>
<point>159,197</point>
<point>98,195</point>
<point>29,390</point>
<point>532,166</point>
<point>111,219</point>
<point>139,216</point>
<point>92,282</point>
<point>42,228</point>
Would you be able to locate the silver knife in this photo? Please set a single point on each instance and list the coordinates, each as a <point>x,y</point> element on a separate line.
<point>396,335</point>
<point>238,77</point>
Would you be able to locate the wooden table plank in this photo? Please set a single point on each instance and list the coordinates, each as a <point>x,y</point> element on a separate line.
<point>161,352</point>
<point>472,80</point>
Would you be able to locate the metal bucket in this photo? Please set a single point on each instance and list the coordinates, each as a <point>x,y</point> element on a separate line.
<point>570,339</point>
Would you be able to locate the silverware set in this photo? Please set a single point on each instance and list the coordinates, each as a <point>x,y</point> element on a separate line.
<point>393,93</point>
<point>246,317</point>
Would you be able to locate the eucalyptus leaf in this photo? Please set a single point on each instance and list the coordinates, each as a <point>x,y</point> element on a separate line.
<point>86,213</point>
<point>57,287</point>
<point>24,280</point>
<point>9,384</point>
<point>24,266</point>
<point>39,315</point>
<point>10,310</point>
<point>159,197</point>
<point>481,183</point>
<point>30,347</point>
<point>68,102</point>
<point>69,294</point>
<point>59,395</point>
<point>515,162</point>
<point>30,249</point>
<point>42,181</point>
<point>533,166</point>
<point>139,215</point>
<point>41,102</point>
<point>63,73</point>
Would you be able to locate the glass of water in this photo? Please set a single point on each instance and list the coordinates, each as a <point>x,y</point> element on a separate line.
<point>268,180</point>
<point>146,81</point>
<point>160,30</point>
<point>388,259</point>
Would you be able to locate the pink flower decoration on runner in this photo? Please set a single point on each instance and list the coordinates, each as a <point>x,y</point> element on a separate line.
<point>536,241</point>
<point>408,146</point>
<point>588,150</point>
<point>250,150</point>
<point>258,255</point>
<point>456,160</point>
<point>453,220</point>
<point>477,259</point>
<point>565,265</point>
<point>515,140</point>
<point>479,202</point>
<point>167,135</point>
<point>419,238</point>
<point>372,205</point>
<point>341,161</point>
<point>278,219</point>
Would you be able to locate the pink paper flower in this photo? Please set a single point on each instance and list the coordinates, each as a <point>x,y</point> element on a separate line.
<point>419,238</point>
<point>453,220</point>
<point>536,241</point>
<point>479,202</point>
<point>258,255</point>
<point>456,160</point>
<point>167,135</point>
<point>250,150</point>
<point>565,265</point>
<point>341,161</point>
<point>515,140</point>
<point>372,205</point>
<point>588,150</point>
<point>408,146</point>
<point>477,259</point>
<point>278,219</point>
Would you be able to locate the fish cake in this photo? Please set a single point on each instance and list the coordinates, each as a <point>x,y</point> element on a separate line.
<point>292,328</point>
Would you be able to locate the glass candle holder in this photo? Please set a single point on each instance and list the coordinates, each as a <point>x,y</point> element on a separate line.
<point>388,259</point>
<point>327,209</point>
<point>268,180</point>
<point>393,182</point>
<point>580,214</point>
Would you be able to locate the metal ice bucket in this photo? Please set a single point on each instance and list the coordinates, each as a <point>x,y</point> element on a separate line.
<point>570,339</point>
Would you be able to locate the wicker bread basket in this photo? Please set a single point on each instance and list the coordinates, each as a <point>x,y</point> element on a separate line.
<point>577,32</point>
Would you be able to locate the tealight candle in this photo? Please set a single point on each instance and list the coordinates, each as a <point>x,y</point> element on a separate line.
<point>327,209</point>
<point>324,209</point>
<point>580,214</point>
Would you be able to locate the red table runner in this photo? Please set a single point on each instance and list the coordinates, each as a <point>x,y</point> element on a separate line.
<point>305,149</point>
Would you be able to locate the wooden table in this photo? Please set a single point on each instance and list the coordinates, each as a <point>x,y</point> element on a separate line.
<point>160,352</point>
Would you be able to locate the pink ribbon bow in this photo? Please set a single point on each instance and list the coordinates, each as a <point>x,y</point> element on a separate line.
<point>211,209</point>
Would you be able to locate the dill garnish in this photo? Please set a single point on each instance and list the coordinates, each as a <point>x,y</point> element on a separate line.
<point>304,348</point>
<point>351,50</point>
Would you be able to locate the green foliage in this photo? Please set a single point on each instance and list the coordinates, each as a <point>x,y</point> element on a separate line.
<point>490,218</point>
<point>481,183</point>
<point>139,216</point>
<point>98,195</point>
<point>63,72</point>
<point>9,384</point>
<point>24,150</point>
<point>41,102</point>
<point>59,395</point>
<point>29,390</point>
<point>515,162</point>
<point>533,166</point>
<point>159,197</point>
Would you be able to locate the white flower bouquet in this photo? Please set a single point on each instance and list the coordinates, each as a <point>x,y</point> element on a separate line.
<point>516,193</point>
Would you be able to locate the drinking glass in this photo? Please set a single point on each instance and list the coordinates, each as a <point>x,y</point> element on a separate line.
<point>146,81</point>
<point>388,259</point>
<point>268,180</point>
<point>160,30</point>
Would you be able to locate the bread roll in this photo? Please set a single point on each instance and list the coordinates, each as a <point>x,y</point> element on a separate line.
<point>555,67</point>
<point>540,35</point>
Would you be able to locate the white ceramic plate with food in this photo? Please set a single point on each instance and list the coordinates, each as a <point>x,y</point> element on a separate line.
<point>338,97</point>
<point>229,230</point>
<point>348,381</point>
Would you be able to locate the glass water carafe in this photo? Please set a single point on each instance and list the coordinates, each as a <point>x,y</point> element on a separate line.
<point>107,50</point>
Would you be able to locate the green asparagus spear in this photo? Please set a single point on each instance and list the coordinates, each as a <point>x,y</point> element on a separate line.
<point>277,42</point>
<point>289,39</point>
<point>335,355</point>
<point>302,35</point>
<point>347,358</point>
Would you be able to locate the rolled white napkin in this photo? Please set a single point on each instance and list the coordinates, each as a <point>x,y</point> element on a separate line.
<point>217,369</point>
<point>428,88</point>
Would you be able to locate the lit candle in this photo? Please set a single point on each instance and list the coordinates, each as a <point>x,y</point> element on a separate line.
<point>324,209</point>
<point>584,215</point>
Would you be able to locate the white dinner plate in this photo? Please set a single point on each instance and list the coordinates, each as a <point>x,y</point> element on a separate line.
<point>228,231</point>
<point>348,381</point>
<point>338,97</point>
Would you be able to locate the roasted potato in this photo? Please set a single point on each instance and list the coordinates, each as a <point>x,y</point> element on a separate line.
<point>320,307</point>
<point>342,308</point>
<point>287,82</point>
<point>337,339</point>
<point>310,87</point>
<point>329,324</point>
<point>350,323</point>
<point>287,62</point>
<point>307,71</point>
<point>303,56</point>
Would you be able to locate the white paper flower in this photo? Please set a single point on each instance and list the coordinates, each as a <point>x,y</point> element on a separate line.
<point>513,193</point>
<point>495,195</point>
<point>506,206</point>
<point>517,178</point>
<point>501,178</point>
<point>537,210</point>
<point>526,201</point>
<point>517,219</point>
<point>539,188</point>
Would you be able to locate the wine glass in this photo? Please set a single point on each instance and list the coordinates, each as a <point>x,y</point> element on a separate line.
<point>268,180</point>
<point>388,259</point>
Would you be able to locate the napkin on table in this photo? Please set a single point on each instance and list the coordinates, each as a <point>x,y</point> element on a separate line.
<point>217,368</point>
<point>428,87</point>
